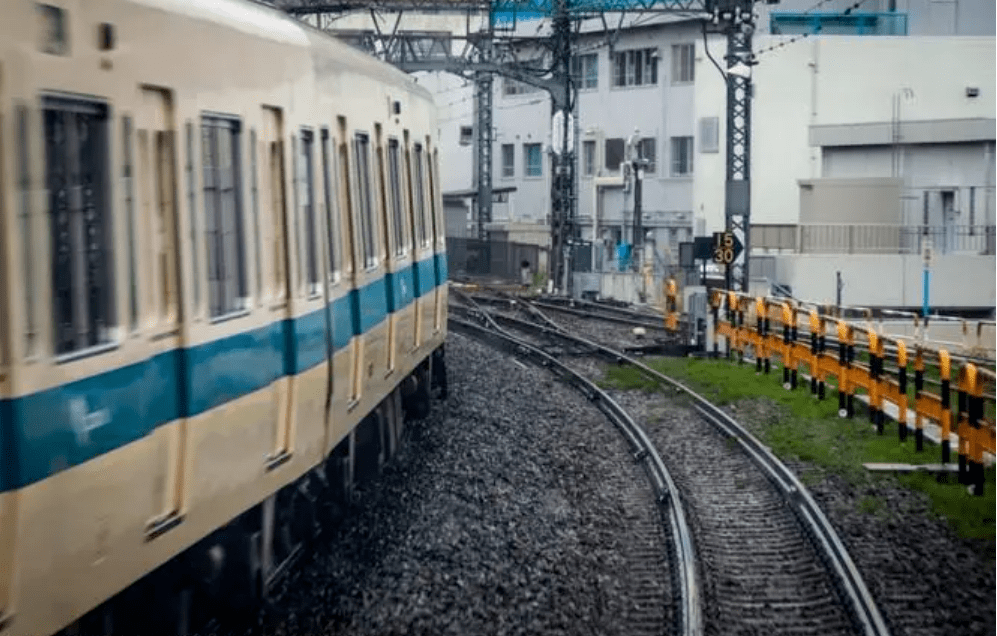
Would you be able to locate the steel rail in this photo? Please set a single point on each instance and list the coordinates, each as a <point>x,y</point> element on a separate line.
<point>863,606</point>
<point>599,313</point>
<point>667,493</point>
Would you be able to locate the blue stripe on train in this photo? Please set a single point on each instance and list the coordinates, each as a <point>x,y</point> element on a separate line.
<point>73,423</point>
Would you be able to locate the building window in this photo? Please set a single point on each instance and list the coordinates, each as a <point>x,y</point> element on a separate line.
<point>638,67</point>
<point>709,134</point>
<point>683,63</point>
<point>508,160</point>
<point>532,160</point>
<point>585,70</point>
<point>614,153</point>
<point>511,87</point>
<point>223,214</point>
<point>681,156</point>
<point>588,158</point>
<point>76,152</point>
<point>647,150</point>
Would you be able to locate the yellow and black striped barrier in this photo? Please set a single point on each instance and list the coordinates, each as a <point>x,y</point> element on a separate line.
<point>671,305</point>
<point>747,324</point>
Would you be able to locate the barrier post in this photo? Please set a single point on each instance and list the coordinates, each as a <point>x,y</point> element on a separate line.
<point>760,329</point>
<point>918,418</point>
<point>715,300</point>
<point>786,345</point>
<point>793,337</point>
<point>821,348</point>
<point>874,410</point>
<point>815,326</point>
<point>671,305</point>
<point>944,368</point>
<point>975,408</point>
<point>961,417</point>
<point>902,387</point>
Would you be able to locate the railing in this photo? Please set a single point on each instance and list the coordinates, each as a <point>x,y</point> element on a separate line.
<point>799,337</point>
<point>876,238</point>
<point>838,24</point>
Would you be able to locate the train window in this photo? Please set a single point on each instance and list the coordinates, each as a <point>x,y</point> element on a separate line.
<point>24,195</point>
<point>433,208</point>
<point>347,200</point>
<point>364,209</point>
<point>255,193</point>
<point>306,199</point>
<point>331,210</point>
<point>223,215</point>
<point>395,196</point>
<point>76,152</point>
<point>192,206</point>
<point>419,182</point>
<point>440,225</point>
<point>126,140</point>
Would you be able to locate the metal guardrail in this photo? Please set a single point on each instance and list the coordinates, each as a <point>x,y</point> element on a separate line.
<point>895,239</point>
<point>875,238</point>
<point>748,324</point>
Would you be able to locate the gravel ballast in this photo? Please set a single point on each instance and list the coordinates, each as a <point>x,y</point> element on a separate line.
<point>513,509</point>
<point>926,580</point>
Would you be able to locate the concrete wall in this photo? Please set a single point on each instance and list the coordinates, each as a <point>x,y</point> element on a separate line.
<point>890,280</point>
<point>850,201</point>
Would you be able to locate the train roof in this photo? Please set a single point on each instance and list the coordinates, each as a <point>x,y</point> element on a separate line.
<point>259,20</point>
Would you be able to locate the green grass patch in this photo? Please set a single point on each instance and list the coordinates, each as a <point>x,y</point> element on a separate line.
<point>971,516</point>
<point>810,430</point>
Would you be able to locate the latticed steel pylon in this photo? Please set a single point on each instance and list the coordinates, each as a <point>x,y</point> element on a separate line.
<point>481,59</point>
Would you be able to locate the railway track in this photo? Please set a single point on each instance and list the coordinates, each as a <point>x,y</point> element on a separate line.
<point>770,558</point>
<point>647,559</point>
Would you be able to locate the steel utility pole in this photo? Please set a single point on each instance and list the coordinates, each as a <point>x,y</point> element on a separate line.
<point>487,55</point>
<point>737,19</point>
<point>483,97</point>
<point>563,226</point>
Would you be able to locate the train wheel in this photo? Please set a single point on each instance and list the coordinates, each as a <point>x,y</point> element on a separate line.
<point>418,402</point>
<point>440,373</point>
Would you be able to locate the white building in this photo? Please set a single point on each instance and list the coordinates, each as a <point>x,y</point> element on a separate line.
<point>866,139</point>
<point>863,147</point>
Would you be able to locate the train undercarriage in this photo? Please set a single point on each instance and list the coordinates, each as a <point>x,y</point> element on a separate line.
<point>227,576</point>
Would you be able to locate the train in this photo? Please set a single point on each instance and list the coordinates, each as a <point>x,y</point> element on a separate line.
<point>222,296</point>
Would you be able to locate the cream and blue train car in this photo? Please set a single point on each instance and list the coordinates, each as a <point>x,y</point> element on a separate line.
<point>223,281</point>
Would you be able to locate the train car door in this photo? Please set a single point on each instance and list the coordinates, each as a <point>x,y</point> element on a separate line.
<point>329,264</point>
<point>439,241</point>
<point>422,261</point>
<point>275,212</point>
<point>157,191</point>
<point>399,256</point>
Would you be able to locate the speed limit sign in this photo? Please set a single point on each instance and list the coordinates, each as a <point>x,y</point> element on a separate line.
<point>726,247</point>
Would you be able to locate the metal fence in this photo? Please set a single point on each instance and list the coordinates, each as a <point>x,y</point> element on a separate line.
<point>896,239</point>
<point>471,257</point>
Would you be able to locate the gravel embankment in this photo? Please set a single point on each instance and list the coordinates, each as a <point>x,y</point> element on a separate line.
<point>926,580</point>
<point>513,509</point>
